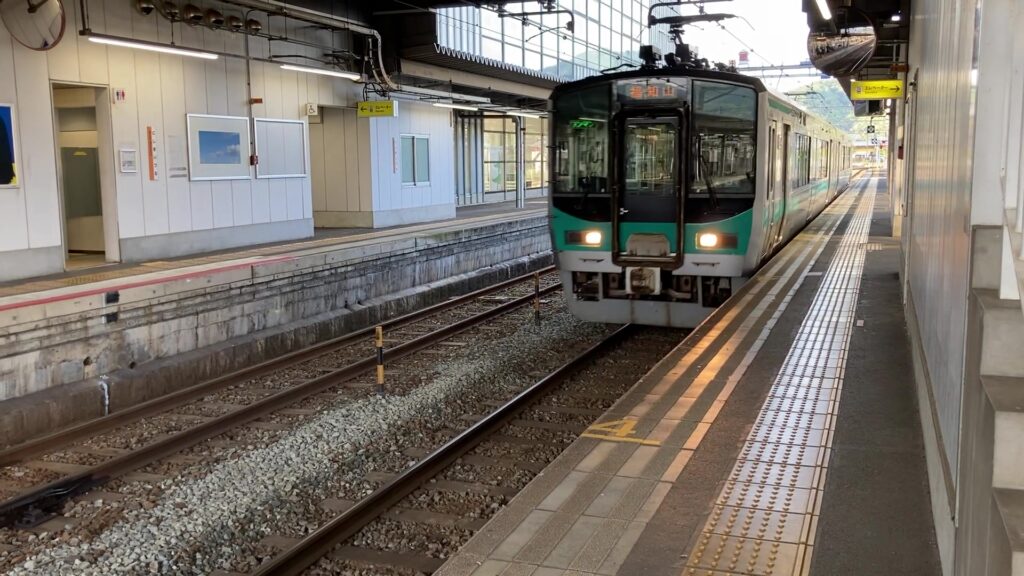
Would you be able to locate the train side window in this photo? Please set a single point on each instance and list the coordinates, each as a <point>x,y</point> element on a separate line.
<point>580,134</point>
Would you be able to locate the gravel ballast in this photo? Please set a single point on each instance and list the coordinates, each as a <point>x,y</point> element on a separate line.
<point>215,521</point>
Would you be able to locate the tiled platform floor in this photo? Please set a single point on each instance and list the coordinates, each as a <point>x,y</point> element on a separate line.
<point>718,461</point>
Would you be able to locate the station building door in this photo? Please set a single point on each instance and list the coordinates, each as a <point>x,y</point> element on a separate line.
<point>86,168</point>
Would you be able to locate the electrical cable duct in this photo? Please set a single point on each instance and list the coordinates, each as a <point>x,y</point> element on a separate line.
<point>334,22</point>
<point>374,56</point>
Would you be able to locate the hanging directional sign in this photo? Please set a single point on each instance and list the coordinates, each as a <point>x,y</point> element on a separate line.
<point>871,129</point>
<point>876,89</point>
<point>377,109</point>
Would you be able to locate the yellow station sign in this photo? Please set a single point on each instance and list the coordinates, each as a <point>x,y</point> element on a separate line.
<point>876,89</point>
<point>377,109</point>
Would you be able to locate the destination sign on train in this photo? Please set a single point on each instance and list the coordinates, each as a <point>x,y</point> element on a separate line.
<point>652,90</point>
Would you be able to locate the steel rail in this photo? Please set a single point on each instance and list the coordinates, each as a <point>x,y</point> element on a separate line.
<point>318,544</point>
<point>31,504</point>
<point>25,450</point>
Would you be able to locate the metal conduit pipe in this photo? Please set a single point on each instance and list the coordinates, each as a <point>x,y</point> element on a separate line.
<point>313,17</point>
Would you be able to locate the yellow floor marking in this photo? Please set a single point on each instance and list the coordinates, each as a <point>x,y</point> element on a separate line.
<point>617,431</point>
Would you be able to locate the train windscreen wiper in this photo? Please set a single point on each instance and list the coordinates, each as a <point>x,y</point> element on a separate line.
<point>707,182</point>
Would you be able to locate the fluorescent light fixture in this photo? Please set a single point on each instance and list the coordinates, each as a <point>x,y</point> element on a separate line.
<point>456,106</point>
<point>336,73</point>
<point>824,9</point>
<point>523,114</point>
<point>896,18</point>
<point>152,47</point>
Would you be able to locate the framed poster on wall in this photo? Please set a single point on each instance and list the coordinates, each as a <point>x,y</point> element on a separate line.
<point>8,157</point>
<point>281,148</point>
<point>218,147</point>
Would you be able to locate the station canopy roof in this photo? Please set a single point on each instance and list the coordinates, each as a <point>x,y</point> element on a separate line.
<point>417,60</point>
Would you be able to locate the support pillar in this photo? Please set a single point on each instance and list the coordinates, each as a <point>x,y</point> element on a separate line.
<point>520,127</point>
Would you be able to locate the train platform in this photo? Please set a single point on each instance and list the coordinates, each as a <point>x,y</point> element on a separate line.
<point>782,437</point>
<point>88,342</point>
<point>80,276</point>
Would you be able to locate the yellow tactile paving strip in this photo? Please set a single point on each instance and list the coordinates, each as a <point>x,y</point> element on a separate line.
<point>587,511</point>
<point>764,520</point>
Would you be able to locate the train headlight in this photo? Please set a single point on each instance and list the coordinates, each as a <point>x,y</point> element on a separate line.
<point>592,238</point>
<point>707,240</point>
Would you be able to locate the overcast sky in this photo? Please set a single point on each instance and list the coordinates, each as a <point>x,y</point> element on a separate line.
<point>777,34</point>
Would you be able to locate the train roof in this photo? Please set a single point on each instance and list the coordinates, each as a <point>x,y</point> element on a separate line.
<point>735,77</point>
<point>754,83</point>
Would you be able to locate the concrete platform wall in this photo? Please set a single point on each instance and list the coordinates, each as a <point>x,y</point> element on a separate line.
<point>161,337</point>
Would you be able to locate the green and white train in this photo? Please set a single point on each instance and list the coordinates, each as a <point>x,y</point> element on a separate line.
<point>669,187</point>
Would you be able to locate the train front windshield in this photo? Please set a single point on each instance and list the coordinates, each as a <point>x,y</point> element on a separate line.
<point>720,121</point>
<point>581,153</point>
<point>723,151</point>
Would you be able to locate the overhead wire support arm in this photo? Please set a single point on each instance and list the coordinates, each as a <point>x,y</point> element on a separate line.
<point>688,20</point>
<point>650,11</point>
<point>570,25</point>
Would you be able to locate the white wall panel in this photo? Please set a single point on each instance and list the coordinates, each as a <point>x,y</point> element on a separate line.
<point>317,165</point>
<point>272,91</point>
<point>37,156</point>
<point>14,232</point>
<point>241,202</point>
<point>216,88</point>
<point>259,83</point>
<point>223,212</point>
<point>172,89</point>
<point>236,92</point>
<point>92,57</point>
<point>294,196</point>
<point>62,60</point>
<point>416,119</point>
<point>260,201</point>
<point>290,95</point>
<point>307,195</point>
<point>151,114</point>
<point>278,200</point>
<point>195,86</point>
<point>125,124</point>
<point>202,205</point>
<point>357,170</point>
<point>161,90</point>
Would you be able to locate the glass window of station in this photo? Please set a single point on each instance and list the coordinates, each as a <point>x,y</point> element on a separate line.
<point>606,33</point>
<point>500,155</point>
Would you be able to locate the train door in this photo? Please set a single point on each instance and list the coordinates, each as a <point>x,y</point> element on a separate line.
<point>648,190</point>
<point>775,203</point>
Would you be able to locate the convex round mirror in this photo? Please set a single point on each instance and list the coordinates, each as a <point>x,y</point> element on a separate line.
<point>36,24</point>
<point>844,45</point>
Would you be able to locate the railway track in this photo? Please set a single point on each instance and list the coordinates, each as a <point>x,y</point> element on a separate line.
<point>79,459</point>
<point>511,439</point>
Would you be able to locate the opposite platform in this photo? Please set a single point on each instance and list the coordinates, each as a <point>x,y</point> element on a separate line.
<point>784,425</point>
<point>108,340</point>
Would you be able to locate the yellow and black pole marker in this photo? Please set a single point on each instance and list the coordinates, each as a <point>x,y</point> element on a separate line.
<point>380,359</point>
<point>536,296</point>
